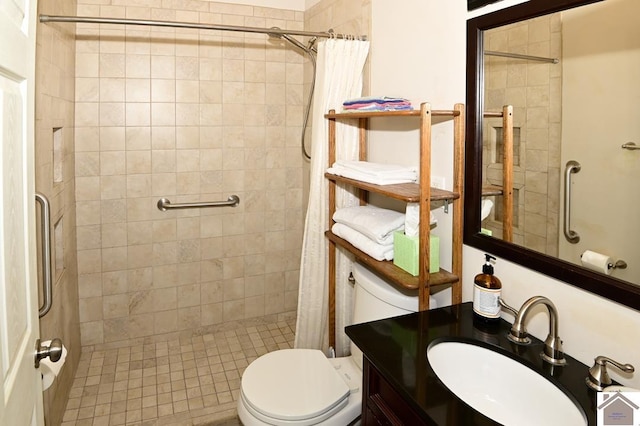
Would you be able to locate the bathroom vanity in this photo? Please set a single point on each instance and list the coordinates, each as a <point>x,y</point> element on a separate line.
<point>400,386</point>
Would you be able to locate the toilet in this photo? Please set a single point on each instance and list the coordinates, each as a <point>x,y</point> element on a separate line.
<point>303,386</point>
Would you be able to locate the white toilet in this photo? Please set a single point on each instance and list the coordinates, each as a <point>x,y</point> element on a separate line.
<point>303,386</point>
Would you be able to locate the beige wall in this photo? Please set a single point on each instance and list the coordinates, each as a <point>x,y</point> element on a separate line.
<point>535,91</point>
<point>601,52</point>
<point>55,58</point>
<point>192,116</point>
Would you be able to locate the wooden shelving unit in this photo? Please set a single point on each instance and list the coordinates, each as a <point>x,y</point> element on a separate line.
<point>420,192</point>
<point>506,190</point>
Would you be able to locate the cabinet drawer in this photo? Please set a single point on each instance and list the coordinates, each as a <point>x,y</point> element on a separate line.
<point>383,403</point>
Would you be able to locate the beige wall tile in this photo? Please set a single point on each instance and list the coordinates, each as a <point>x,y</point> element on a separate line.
<point>188,116</point>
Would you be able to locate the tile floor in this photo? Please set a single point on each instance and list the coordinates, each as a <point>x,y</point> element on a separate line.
<point>185,381</point>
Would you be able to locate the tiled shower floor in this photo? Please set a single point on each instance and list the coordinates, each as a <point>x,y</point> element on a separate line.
<point>186,381</point>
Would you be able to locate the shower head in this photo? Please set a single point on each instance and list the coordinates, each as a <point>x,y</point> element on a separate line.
<point>292,40</point>
<point>275,35</point>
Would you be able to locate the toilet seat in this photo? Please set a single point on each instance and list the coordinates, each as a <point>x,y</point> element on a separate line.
<point>298,386</point>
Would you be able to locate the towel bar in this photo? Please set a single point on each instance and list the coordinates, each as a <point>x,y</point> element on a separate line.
<point>164,204</point>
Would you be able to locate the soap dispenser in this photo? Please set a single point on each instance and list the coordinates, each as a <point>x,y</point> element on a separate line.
<point>486,294</point>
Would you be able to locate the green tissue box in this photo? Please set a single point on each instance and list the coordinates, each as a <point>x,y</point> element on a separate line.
<point>405,253</point>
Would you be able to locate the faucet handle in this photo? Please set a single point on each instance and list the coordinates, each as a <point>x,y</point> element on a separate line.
<point>599,378</point>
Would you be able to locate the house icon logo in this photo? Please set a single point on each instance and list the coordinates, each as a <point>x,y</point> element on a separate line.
<point>618,408</point>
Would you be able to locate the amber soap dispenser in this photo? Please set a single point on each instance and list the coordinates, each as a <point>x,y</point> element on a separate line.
<point>486,294</point>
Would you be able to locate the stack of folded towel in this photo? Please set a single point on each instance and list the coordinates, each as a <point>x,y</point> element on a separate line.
<point>376,173</point>
<point>369,229</point>
<point>383,103</point>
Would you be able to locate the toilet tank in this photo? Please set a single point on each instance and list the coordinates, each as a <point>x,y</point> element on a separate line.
<point>375,299</point>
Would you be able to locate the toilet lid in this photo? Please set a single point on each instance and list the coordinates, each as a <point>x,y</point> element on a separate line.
<point>293,384</point>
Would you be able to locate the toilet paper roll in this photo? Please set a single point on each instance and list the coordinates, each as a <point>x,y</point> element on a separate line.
<point>596,261</point>
<point>50,369</point>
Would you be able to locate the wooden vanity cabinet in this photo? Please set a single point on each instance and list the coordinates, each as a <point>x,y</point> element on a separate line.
<point>381,404</point>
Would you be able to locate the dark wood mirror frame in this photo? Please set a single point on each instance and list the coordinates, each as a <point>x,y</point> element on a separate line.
<point>475,4</point>
<point>606,286</point>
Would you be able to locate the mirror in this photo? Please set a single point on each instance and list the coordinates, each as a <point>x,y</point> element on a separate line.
<point>560,111</point>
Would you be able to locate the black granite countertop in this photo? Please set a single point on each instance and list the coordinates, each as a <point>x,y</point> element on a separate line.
<point>397,347</point>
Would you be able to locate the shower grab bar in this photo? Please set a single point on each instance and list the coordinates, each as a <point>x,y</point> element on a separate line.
<point>164,204</point>
<point>45,230</point>
<point>571,167</point>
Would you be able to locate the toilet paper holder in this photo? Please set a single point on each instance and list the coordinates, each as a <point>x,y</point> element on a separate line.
<point>53,351</point>
<point>620,264</point>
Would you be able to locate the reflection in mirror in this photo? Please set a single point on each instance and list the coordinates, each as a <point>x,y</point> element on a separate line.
<point>556,181</point>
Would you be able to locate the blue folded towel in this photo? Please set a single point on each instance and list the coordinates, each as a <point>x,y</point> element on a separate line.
<point>375,99</point>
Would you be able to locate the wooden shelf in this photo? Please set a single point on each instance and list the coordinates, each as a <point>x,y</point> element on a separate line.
<point>446,114</point>
<point>490,190</point>
<point>407,192</point>
<point>391,272</point>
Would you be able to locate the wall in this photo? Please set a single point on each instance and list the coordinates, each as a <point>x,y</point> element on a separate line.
<point>434,33</point>
<point>601,51</point>
<point>433,72</point>
<point>55,58</point>
<point>192,116</point>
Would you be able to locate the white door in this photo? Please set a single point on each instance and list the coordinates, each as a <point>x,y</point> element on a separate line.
<point>20,383</point>
<point>601,77</point>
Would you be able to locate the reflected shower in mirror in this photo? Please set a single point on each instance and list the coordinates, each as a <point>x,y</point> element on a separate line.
<point>569,70</point>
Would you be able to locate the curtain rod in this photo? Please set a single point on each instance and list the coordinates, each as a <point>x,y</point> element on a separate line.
<point>519,56</point>
<point>148,22</point>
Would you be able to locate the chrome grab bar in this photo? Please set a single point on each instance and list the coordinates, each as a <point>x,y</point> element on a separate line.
<point>571,167</point>
<point>631,146</point>
<point>164,204</point>
<point>45,227</point>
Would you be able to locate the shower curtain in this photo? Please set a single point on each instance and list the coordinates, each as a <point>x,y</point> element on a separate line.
<point>339,74</point>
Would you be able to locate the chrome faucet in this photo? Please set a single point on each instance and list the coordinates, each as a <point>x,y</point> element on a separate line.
<point>553,352</point>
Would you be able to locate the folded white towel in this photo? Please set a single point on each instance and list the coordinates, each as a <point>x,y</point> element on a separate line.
<point>374,222</point>
<point>379,169</point>
<point>365,177</point>
<point>363,243</point>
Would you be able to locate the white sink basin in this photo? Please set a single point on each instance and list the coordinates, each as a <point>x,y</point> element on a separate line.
<point>501,388</point>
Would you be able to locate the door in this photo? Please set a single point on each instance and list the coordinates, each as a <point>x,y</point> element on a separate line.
<point>20,383</point>
<point>600,77</point>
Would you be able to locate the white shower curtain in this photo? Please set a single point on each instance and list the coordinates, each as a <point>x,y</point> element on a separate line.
<point>340,65</point>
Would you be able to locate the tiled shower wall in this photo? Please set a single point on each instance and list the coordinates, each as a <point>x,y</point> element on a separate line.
<point>535,91</point>
<point>190,115</point>
<point>54,139</point>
